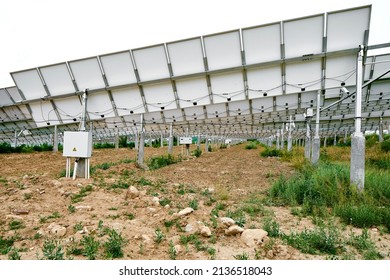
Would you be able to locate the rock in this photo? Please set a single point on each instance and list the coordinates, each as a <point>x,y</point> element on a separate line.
<point>253,237</point>
<point>205,231</point>
<point>227,221</point>
<point>83,208</point>
<point>233,230</point>
<point>83,231</point>
<point>178,248</point>
<point>132,193</point>
<point>156,201</point>
<point>57,230</point>
<point>56,183</point>
<point>13,217</point>
<point>152,210</point>
<point>185,212</point>
<point>189,228</point>
<point>20,211</point>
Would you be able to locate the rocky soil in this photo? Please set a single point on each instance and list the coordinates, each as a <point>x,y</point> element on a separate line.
<point>153,210</point>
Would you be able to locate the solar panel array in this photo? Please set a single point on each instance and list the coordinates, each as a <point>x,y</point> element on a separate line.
<point>242,83</point>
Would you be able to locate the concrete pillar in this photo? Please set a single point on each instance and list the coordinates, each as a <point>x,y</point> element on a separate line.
<point>207,144</point>
<point>358,143</point>
<point>55,142</point>
<point>141,147</point>
<point>380,134</point>
<point>162,140</point>
<point>335,140</point>
<point>326,138</point>
<point>170,143</point>
<point>116,138</point>
<point>308,141</point>
<point>282,138</point>
<point>316,140</point>
<point>289,139</point>
<point>277,140</point>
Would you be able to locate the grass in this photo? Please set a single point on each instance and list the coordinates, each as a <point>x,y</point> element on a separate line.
<point>161,161</point>
<point>327,188</point>
<point>113,246</point>
<point>84,191</point>
<point>52,250</point>
<point>16,224</point>
<point>319,240</point>
<point>6,245</point>
<point>90,247</point>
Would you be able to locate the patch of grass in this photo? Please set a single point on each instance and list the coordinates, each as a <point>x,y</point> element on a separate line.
<point>84,191</point>
<point>77,227</point>
<point>272,227</point>
<point>14,254</point>
<point>194,204</point>
<point>196,153</point>
<point>164,201</point>
<point>130,216</point>
<point>52,250</point>
<point>269,152</point>
<point>159,236</point>
<point>16,224</point>
<point>243,256</point>
<point>113,246</point>
<point>71,209</point>
<point>251,146</point>
<point>319,240</point>
<point>172,251</point>
<point>6,245</point>
<point>161,161</point>
<point>237,215</point>
<point>120,185</point>
<point>90,247</point>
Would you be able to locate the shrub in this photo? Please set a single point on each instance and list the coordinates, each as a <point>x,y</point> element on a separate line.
<point>251,145</point>
<point>314,241</point>
<point>113,246</point>
<point>271,153</point>
<point>91,247</point>
<point>161,161</point>
<point>197,152</point>
<point>385,146</point>
<point>6,245</point>
<point>52,250</point>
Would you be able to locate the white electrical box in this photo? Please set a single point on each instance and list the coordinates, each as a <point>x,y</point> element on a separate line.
<point>185,140</point>
<point>77,144</point>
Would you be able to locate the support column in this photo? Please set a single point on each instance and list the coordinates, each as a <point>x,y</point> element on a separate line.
<point>162,140</point>
<point>55,140</point>
<point>277,140</point>
<point>380,135</point>
<point>170,142</point>
<point>316,140</point>
<point>140,159</point>
<point>282,138</point>
<point>308,140</point>
<point>289,139</point>
<point>335,140</point>
<point>358,143</point>
<point>207,144</point>
<point>116,138</point>
<point>325,139</point>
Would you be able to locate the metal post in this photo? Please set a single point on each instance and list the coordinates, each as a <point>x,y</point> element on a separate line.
<point>277,140</point>
<point>335,140</point>
<point>358,143</point>
<point>316,140</point>
<point>282,138</point>
<point>84,110</point>
<point>162,140</point>
<point>326,138</point>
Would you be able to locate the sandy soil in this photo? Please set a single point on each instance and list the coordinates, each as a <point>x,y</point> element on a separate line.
<point>32,191</point>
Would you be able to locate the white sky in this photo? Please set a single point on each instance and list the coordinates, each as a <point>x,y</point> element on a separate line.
<point>41,32</point>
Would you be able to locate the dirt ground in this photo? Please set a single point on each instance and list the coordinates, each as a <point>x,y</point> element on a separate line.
<point>32,191</point>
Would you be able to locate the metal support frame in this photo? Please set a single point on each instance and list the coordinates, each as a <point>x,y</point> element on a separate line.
<point>316,140</point>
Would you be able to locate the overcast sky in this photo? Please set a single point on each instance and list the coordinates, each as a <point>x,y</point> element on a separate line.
<point>41,32</point>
